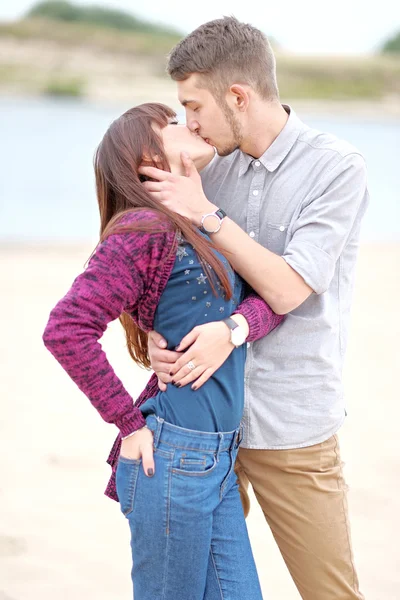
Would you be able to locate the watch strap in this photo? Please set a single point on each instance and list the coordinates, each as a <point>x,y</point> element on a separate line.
<point>231,323</point>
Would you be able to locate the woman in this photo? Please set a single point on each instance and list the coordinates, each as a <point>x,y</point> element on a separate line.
<point>153,269</point>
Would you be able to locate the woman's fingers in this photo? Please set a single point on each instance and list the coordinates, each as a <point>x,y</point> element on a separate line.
<point>188,340</point>
<point>186,375</point>
<point>148,458</point>
<point>182,362</point>
<point>140,445</point>
<point>202,379</point>
<point>164,375</point>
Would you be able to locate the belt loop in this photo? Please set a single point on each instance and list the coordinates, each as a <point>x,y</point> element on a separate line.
<point>221,441</point>
<point>237,438</point>
<point>157,433</point>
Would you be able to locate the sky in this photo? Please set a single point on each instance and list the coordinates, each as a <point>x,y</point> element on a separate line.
<point>303,27</point>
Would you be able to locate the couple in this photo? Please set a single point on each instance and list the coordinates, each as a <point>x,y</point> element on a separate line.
<point>251,262</point>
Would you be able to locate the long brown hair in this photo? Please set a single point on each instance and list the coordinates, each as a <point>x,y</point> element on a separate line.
<point>119,189</point>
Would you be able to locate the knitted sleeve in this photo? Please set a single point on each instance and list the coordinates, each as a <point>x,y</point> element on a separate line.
<point>117,277</point>
<point>259,315</point>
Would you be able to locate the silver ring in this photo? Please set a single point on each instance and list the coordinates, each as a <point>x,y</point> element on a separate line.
<point>191,365</point>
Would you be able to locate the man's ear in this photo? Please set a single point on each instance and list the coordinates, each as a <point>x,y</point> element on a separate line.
<point>239,96</point>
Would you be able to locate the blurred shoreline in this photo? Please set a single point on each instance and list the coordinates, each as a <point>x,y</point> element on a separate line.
<point>156,90</point>
<point>50,58</point>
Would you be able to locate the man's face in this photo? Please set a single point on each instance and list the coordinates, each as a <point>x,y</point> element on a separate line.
<point>216,124</point>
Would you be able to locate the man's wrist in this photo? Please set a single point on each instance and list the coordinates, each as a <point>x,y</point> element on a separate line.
<point>211,222</point>
<point>207,208</point>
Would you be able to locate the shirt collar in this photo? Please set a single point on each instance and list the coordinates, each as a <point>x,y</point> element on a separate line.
<point>280,147</point>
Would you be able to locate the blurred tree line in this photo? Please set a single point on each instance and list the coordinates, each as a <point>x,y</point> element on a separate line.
<point>393,44</point>
<point>61,10</point>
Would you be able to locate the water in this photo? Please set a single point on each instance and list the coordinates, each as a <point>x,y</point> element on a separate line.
<point>47,182</point>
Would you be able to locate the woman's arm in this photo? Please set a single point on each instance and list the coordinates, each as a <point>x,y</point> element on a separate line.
<point>114,282</point>
<point>260,317</point>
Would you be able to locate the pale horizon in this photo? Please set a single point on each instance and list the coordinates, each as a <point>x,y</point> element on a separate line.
<point>312,27</point>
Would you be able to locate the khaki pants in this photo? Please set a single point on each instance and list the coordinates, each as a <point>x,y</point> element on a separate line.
<point>303,497</point>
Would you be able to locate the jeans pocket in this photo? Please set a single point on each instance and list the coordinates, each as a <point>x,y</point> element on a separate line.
<point>126,479</point>
<point>194,463</point>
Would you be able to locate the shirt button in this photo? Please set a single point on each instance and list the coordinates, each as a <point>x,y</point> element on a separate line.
<point>255,192</point>
<point>248,344</point>
<point>281,228</point>
<point>257,163</point>
<point>252,234</point>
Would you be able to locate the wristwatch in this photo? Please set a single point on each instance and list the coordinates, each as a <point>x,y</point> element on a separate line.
<point>211,222</point>
<point>238,334</point>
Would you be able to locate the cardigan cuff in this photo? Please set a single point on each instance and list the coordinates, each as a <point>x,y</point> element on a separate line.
<point>131,422</point>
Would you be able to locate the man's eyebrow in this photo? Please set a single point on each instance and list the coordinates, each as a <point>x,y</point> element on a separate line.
<point>186,102</point>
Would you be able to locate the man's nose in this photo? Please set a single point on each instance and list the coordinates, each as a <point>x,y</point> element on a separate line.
<point>193,125</point>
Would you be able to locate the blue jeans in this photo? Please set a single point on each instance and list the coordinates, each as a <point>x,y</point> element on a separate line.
<point>188,534</point>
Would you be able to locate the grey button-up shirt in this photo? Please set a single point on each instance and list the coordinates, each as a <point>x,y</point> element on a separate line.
<point>303,199</point>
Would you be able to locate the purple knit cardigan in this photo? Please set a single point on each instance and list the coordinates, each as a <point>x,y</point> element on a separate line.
<point>127,273</point>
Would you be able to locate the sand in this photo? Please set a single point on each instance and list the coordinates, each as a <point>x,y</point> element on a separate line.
<point>61,539</point>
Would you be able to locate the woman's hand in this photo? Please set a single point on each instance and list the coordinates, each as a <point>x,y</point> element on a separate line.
<point>207,346</point>
<point>140,445</point>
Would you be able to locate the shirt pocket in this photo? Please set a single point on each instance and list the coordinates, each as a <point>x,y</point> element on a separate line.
<point>276,237</point>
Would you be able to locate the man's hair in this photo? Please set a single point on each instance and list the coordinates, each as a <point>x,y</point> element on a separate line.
<point>223,52</point>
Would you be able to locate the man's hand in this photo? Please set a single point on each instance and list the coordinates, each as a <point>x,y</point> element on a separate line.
<point>140,445</point>
<point>183,195</point>
<point>161,360</point>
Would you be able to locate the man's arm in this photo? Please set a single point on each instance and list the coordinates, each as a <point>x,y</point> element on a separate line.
<point>318,236</point>
<point>267,273</point>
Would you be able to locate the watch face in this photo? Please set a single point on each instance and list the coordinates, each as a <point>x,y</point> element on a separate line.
<point>238,336</point>
<point>211,223</point>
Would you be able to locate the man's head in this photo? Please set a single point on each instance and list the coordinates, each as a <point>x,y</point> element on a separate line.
<point>222,68</point>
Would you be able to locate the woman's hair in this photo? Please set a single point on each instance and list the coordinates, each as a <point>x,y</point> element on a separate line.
<point>132,140</point>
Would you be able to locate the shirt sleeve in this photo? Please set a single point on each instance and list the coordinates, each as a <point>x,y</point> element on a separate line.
<point>258,314</point>
<point>113,282</point>
<point>326,222</point>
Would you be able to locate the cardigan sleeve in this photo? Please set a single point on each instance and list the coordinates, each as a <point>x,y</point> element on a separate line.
<point>258,314</point>
<point>114,282</point>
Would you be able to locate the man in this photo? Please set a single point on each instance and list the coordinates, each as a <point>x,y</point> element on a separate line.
<point>294,199</point>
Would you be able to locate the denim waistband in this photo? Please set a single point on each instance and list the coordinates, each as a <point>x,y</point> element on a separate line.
<point>190,439</point>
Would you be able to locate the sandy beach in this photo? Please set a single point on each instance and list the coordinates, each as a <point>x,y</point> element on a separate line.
<point>61,539</point>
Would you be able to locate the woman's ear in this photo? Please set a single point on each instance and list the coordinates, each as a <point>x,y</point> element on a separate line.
<point>148,161</point>
<point>151,161</point>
